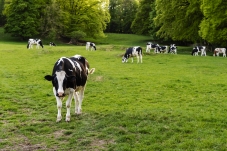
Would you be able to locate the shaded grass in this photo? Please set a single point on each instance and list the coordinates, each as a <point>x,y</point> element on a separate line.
<point>170,102</point>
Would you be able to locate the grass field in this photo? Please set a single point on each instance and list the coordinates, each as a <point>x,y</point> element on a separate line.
<point>169,102</point>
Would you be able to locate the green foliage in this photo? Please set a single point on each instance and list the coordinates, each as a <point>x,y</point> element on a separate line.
<point>178,20</point>
<point>30,18</point>
<point>213,27</point>
<point>122,14</point>
<point>22,18</point>
<point>141,23</point>
<point>76,35</point>
<point>90,16</point>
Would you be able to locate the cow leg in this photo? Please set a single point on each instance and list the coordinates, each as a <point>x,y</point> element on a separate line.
<point>78,101</point>
<point>68,105</point>
<point>141,58</point>
<point>59,106</point>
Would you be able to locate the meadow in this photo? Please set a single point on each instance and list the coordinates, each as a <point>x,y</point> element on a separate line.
<point>169,102</point>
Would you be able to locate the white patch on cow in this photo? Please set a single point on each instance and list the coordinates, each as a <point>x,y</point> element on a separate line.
<point>77,56</point>
<point>74,67</point>
<point>60,77</point>
<point>60,60</point>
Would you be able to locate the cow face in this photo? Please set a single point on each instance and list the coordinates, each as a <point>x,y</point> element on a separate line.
<point>59,81</point>
<point>124,60</point>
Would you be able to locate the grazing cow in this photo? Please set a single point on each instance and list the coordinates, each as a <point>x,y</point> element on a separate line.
<point>151,46</point>
<point>69,77</point>
<point>202,49</point>
<point>217,51</point>
<point>161,49</point>
<point>36,42</point>
<point>131,52</point>
<point>52,44</point>
<point>90,46</point>
<point>173,49</point>
<point>195,51</point>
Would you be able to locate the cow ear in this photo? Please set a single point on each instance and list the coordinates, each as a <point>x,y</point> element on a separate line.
<point>48,77</point>
<point>71,78</point>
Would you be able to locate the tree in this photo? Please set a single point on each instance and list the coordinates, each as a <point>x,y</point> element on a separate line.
<point>22,18</point>
<point>122,15</point>
<point>2,17</point>
<point>76,35</point>
<point>141,23</point>
<point>52,19</point>
<point>178,20</point>
<point>213,27</point>
<point>89,16</point>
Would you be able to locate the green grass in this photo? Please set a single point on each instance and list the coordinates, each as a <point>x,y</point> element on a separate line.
<point>169,102</point>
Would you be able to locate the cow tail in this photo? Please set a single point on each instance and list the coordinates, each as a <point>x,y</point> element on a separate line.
<point>28,46</point>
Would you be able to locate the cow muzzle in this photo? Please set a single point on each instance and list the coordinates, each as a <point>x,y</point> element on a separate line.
<point>60,94</point>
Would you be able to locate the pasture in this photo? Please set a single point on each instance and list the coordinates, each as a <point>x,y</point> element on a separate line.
<point>169,102</point>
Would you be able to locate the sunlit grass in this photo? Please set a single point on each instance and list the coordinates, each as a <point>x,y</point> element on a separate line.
<point>169,102</point>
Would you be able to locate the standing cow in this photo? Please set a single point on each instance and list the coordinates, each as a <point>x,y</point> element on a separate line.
<point>37,42</point>
<point>90,46</point>
<point>217,51</point>
<point>173,49</point>
<point>151,46</point>
<point>195,51</point>
<point>202,49</point>
<point>161,49</point>
<point>132,52</point>
<point>69,77</point>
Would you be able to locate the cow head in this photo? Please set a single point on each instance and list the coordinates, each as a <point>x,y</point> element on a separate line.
<point>59,81</point>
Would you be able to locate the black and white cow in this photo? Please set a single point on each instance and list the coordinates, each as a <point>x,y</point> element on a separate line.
<point>52,44</point>
<point>69,77</point>
<point>151,46</point>
<point>202,49</point>
<point>90,46</point>
<point>217,51</point>
<point>132,52</point>
<point>195,51</point>
<point>37,42</point>
<point>173,49</point>
<point>161,49</point>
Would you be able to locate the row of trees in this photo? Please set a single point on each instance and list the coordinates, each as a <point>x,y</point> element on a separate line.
<point>203,21</point>
<point>51,18</point>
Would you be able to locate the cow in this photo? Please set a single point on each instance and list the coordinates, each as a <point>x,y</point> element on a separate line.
<point>217,51</point>
<point>202,49</point>
<point>132,52</point>
<point>69,77</point>
<point>161,49</point>
<point>151,46</point>
<point>90,46</point>
<point>37,42</point>
<point>173,49</point>
<point>52,44</point>
<point>195,51</point>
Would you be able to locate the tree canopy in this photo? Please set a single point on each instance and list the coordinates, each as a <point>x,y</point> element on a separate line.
<point>122,15</point>
<point>177,20</point>
<point>27,18</point>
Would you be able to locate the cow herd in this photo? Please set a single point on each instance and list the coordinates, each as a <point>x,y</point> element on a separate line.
<point>69,74</point>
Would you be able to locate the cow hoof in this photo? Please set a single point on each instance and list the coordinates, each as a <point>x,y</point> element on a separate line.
<point>67,118</point>
<point>78,113</point>
<point>58,120</point>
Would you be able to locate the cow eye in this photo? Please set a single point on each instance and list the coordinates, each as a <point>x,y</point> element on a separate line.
<point>55,80</point>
